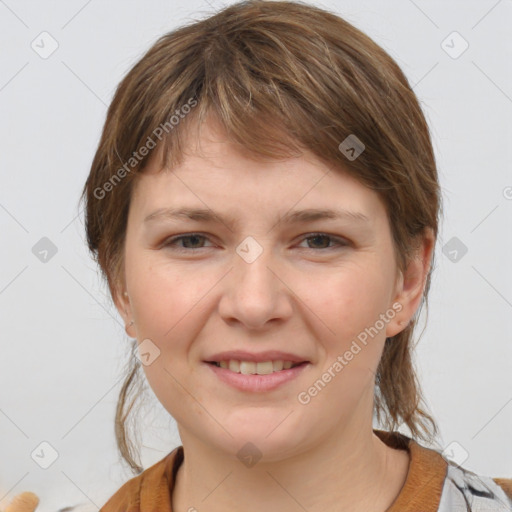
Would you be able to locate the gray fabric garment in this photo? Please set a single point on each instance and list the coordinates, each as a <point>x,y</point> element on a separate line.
<point>464,491</point>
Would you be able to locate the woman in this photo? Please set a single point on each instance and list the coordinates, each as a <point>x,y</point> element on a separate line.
<point>264,205</point>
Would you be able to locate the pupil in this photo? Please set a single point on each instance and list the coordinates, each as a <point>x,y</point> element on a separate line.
<point>193,237</point>
<point>319,237</point>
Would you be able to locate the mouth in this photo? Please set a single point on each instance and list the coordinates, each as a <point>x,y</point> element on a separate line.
<point>256,376</point>
<point>256,368</point>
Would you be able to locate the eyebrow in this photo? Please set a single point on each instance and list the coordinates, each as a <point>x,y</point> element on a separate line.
<point>291,217</point>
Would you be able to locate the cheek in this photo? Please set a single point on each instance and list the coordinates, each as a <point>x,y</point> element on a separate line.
<point>351,300</point>
<point>168,310</point>
<point>349,303</point>
<point>165,295</point>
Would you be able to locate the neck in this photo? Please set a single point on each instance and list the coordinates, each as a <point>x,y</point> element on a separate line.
<point>355,471</point>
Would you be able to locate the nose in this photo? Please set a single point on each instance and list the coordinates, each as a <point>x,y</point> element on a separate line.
<point>255,294</point>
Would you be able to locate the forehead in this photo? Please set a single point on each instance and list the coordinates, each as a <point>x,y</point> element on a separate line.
<point>217,174</point>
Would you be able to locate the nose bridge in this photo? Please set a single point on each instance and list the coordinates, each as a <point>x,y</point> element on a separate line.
<point>251,272</point>
<point>254,295</point>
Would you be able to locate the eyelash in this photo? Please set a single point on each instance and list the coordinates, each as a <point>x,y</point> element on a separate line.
<point>169,243</point>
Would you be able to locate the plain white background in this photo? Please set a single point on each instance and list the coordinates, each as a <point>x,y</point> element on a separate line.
<point>63,344</point>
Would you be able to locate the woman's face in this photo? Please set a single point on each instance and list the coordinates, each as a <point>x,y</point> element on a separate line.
<point>256,275</point>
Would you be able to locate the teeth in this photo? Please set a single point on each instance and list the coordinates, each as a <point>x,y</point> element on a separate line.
<point>247,368</point>
<point>264,368</point>
<point>277,365</point>
<point>252,368</point>
<point>234,366</point>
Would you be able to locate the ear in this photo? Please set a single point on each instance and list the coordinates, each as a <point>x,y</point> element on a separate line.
<point>123,305</point>
<point>410,284</point>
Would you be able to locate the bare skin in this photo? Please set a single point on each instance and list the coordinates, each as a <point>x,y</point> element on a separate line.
<point>305,295</point>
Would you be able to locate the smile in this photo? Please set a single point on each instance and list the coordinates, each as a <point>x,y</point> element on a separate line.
<point>253,368</point>
<point>246,376</point>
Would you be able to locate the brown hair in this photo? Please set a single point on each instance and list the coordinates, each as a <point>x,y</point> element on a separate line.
<point>279,76</point>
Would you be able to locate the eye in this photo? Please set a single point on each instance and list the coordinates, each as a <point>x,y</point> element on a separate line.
<point>195,241</point>
<point>322,239</point>
<point>192,239</point>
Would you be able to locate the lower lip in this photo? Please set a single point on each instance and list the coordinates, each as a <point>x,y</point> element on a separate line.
<point>257,383</point>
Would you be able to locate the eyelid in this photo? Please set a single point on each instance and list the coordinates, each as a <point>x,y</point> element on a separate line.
<point>168,241</point>
<point>338,241</point>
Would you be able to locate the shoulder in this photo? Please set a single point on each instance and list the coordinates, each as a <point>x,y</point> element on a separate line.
<point>126,497</point>
<point>463,488</point>
<point>152,485</point>
<point>506,485</point>
<point>436,484</point>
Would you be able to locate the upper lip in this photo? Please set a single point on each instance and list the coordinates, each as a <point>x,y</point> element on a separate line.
<point>268,355</point>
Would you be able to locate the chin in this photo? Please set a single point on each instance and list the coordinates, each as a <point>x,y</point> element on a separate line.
<point>268,437</point>
<point>252,452</point>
